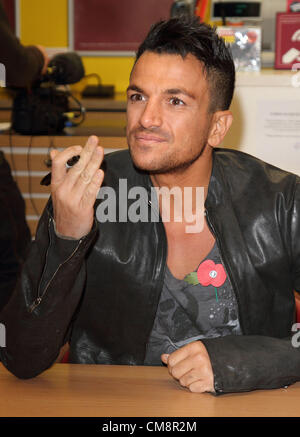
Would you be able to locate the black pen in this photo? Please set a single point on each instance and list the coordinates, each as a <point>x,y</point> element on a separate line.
<point>47,179</point>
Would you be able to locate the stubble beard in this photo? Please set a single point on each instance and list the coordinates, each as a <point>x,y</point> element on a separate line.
<point>167,166</point>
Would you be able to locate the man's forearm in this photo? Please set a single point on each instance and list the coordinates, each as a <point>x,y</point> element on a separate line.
<point>39,315</point>
<point>243,363</point>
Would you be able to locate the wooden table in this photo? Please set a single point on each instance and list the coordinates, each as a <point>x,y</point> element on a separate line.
<point>68,390</point>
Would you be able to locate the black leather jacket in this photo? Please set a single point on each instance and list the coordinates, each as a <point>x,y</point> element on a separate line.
<point>101,293</point>
<point>15,235</point>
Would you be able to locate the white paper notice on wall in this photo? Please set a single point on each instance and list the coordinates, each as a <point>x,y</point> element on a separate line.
<point>278,133</point>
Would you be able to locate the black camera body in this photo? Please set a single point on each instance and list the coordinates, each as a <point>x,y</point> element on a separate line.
<point>40,111</point>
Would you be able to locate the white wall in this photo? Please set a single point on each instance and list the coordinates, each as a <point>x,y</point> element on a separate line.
<point>268,11</point>
<point>266,110</point>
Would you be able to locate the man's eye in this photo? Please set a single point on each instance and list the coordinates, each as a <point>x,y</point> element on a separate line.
<point>136,97</point>
<point>176,102</point>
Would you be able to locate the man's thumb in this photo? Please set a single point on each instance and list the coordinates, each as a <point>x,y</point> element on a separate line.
<point>165,358</point>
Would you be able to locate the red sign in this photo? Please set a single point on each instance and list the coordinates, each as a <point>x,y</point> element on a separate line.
<point>287,40</point>
<point>115,25</point>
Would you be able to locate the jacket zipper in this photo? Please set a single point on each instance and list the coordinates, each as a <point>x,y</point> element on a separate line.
<point>210,225</point>
<point>38,300</point>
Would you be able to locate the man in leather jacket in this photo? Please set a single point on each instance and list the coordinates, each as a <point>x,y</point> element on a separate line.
<point>217,306</point>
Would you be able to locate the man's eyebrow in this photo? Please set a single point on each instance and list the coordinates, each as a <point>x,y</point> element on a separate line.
<point>134,88</point>
<point>177,91</point>
<point>171,91</point>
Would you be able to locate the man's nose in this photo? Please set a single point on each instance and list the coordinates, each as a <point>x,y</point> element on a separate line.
<point>151,116</point>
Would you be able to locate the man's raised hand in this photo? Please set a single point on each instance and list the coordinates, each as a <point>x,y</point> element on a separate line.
<point>74,191</point>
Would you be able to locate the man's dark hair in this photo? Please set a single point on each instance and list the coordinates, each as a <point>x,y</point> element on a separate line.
<point>181,36</point>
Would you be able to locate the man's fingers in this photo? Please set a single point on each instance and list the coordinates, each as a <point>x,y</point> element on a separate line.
<point>199,387</point>
<point>191,366</point>
<point>59,159</point>
<point>182,353</point>
<point>74,190</point>
<point>181,368</point>
<point>85,177</point>
<point>53,153</point>
<point>189,378</point>
<point>164,358</point>
<point>194,373</point>
<point>178,362</point>
<point>91,191</point>
<point>85,155</point>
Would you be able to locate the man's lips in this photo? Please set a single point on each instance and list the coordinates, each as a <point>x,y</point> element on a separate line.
<point>149,138</point>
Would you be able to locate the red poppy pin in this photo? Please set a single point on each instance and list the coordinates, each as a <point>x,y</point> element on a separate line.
<point>208,273</point>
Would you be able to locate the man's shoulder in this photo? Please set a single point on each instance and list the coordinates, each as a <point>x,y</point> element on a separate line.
<point>248,167</point>
<point>249,179</point>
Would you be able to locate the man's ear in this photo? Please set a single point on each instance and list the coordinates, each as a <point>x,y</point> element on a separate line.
<point>220,125</point>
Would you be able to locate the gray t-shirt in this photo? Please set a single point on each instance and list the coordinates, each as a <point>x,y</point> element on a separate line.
<point>189,312</point>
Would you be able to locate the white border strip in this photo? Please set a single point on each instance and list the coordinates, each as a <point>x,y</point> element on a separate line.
<point>71,25</point>
<point>24,150</point>
<point>33,173</point>
<point>32,217</point>
<point>107,54</point>
<point>42,150</point>
<point>18,18</point>
<point>36,195</point>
